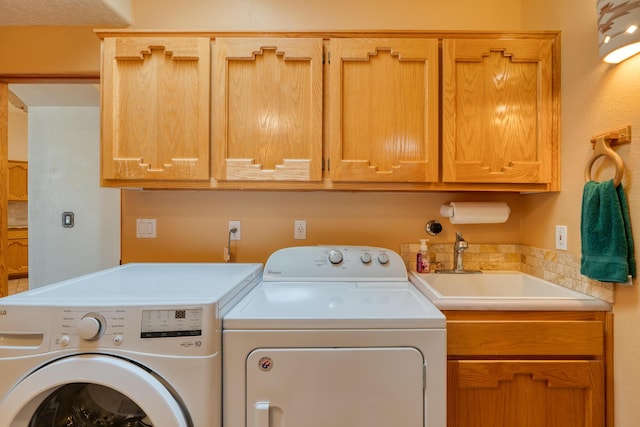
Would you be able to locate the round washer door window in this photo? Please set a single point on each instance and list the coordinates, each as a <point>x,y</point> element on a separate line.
<point>91,390</point>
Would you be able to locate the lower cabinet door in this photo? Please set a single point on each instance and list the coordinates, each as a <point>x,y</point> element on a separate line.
<point>17,257</point>
<point>531,393</point>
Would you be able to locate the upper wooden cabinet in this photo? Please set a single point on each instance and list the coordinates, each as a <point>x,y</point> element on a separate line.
<point>384,110</point>
<point>267,109</point>
<point>499,111</point>
<point>372,111</point>
<point>18,179</point>
<point>155,108</point>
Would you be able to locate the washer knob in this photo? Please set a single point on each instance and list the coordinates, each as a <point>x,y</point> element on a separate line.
<point>335,256</point>
<point>383,258</point>
<point>65,340</point>
<point>90,327</point>
<point>365,258</point>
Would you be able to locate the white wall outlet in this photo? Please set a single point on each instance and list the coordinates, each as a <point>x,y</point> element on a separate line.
<point>561,237</point>
<point>300,229</point>
<point>145,228</point>
<point>236,235</point>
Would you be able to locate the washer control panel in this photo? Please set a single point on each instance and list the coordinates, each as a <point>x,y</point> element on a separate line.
<point>332,263</point>
<point>165,329</point>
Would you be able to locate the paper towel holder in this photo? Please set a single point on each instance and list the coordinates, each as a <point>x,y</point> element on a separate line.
<point>476,212</point>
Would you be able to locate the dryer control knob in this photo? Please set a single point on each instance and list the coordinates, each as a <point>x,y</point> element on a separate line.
<point>383,258</point>
<point>365,258</point>
<point>90,327</point>
<point>335,256</point>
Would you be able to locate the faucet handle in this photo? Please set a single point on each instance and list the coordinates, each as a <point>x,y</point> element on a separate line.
<point>459,237</point>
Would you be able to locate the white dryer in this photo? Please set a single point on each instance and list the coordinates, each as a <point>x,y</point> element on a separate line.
<point>136,345</point>
<point>334,336</point>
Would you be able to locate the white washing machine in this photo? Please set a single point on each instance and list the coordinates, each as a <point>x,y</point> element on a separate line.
<point>136,345</point>
<point>334,336</point>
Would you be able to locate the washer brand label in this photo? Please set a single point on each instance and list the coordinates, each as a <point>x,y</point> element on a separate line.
<point>188,344</point>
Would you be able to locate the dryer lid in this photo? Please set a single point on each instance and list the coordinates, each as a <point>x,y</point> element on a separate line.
<point>314,305</point>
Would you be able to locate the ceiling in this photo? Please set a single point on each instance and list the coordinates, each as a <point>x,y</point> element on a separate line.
<point>103,13</point>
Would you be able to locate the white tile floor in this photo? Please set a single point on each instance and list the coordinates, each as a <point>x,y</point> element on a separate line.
<point>18,285</point>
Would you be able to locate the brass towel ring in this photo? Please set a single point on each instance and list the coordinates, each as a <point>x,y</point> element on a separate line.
<point>603,148</point>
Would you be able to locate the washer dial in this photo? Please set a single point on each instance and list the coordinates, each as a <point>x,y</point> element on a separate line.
<point>91,326</point>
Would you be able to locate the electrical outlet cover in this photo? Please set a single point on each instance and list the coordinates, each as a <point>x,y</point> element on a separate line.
<point>300,229</point>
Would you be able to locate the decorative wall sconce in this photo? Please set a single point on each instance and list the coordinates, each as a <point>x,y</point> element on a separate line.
<point>619,35</point>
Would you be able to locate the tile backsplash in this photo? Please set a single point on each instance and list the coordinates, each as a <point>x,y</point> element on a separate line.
<point>557,267</point>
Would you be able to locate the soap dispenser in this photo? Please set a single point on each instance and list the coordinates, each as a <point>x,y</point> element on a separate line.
<point>423,261</point>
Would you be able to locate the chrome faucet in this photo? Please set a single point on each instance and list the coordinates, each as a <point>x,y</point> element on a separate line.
<point>459,247</point>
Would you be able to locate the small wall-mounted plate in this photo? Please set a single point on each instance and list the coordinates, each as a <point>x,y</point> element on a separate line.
<point>67,219</point>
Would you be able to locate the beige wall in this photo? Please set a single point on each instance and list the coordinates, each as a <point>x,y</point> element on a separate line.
<point>223,15</point>
<point>49,50</point>
<point>192,225</point>
<point>595,97</point>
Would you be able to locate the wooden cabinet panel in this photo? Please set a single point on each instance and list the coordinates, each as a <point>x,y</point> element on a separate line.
<point>267,114</point>
<point>155,108</point>
<point>534,369</point>
<point>509,393</point>
<point>525,338</point>
<point>384,110</point>
<point>17,252</point>
<point>18,177</point>
<point>499,111</point>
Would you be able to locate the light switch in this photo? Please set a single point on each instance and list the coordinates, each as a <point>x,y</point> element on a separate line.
<point>561,237</point>
<point>67,219</point>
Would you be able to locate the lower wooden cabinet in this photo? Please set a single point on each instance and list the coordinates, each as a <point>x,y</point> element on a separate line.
<point>533,369</point>
<point>17,252</point>
<point>18,177</point>
<point>544,393</point>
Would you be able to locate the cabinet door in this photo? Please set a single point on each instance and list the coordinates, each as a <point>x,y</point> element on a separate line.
<point>384,110</point>
<point>17,257</point>
<point>18,178</point>
<point>155,108</point>
<point>267,114</point>
<point>525,393</point>
<point>499,111</point>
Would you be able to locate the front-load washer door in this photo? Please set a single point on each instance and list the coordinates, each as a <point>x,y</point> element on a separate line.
<point>337,387</point>
<point>91,390</point>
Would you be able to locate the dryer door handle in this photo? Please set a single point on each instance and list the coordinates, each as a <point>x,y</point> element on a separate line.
<point>262,414</point>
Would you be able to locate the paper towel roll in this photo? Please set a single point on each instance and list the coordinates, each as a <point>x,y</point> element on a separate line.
<point>476,212</point>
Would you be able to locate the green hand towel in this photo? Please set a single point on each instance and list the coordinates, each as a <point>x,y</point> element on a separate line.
<point>607,243</point>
